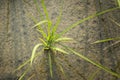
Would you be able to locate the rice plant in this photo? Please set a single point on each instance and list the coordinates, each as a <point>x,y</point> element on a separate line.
<point>51,39</point>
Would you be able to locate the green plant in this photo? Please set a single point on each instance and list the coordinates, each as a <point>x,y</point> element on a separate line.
<point>118,1</point>
<point>50,40</point>
<point>117,39</point>
<point>93,75</point>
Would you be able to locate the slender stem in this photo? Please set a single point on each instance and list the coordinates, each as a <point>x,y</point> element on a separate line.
<point>50,63</point>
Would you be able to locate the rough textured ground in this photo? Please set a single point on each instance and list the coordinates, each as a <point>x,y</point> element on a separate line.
<point>17,38</point>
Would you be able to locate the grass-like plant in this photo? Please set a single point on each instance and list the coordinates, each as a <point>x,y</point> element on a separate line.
<point>118,1</point>
<point>117,39</point>
<point>50,40</point>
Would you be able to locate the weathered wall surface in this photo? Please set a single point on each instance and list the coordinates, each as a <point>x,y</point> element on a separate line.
<point>17,38</point>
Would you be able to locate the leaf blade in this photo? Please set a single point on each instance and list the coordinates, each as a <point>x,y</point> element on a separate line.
<point>118,1</point>
<point>60,50</point>
<point>50,65</point>
<point>85,19</point>
<point>115,22</point>
<point>106,40</point>
<point>97,64</point>
<point>34,51</point>
<point>26,62</point>
<point>93,75</point>
<point>57,23</point>
<point>38,9</point>
<point>92,62</point>
<point>63,39</point>
<point>47,16</point>
<point>39,23</point>
<point>25,72</point>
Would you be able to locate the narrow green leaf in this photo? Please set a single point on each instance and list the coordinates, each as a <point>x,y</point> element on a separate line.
<point>92,62</point>
<point>57,23</point>
<point>26,62</point>
<point>34,51</point>
<point>93,75</point>
<point>50,65</point>
<point>62,70</point>
<point>115,22</point>
<point>45,9</point>
<point>38,9</point>
<point>39,25</point>
<point>25,72</point>
<point>49,29</point>
<point>118,1</point>
<point>96,64</point>
<point>60,50</point>
<point>64,39</point>
<point>43,41</point>
<point>22,65</point>
<point>85,19</point>
<point>31,76</point>
<point>106,40</point>
<point>32,18</point>
<point>43,33</point>
<point>47,17</point>
<point>41,22</point>
<point>112,45</point>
